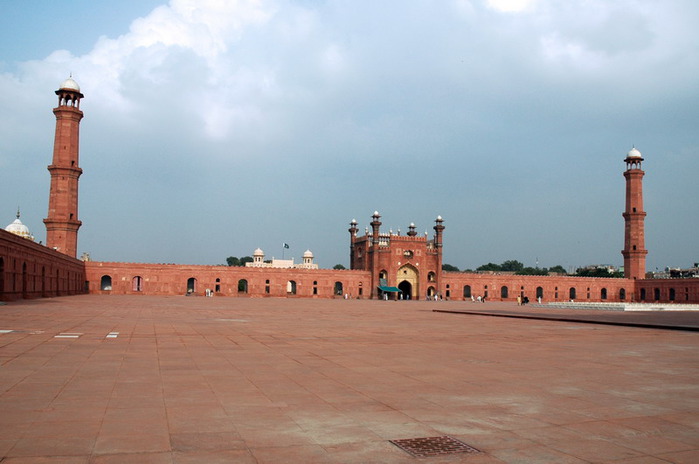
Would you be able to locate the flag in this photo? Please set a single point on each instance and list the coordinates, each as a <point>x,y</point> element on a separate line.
<point>286,245</point>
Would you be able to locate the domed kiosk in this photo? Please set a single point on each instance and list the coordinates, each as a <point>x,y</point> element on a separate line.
<point>17,228</point>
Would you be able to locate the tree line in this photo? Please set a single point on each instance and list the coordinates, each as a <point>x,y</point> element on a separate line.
<point>519,268</point>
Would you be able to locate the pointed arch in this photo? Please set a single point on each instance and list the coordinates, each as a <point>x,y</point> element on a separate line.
<point>106,283</point>
<point>408,277</point>
<point>191,285</point>
<point>467,291</point>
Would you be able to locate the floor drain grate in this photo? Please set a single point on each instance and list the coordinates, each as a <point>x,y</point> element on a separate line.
<point>433,446</point>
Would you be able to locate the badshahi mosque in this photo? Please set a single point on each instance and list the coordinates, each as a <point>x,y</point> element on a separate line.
<point>383,265</point>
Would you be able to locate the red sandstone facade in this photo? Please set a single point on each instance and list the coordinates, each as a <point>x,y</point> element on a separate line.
<point>179,279</point>
<point>31,270</point>
<point>381,264</point>
<point>405,266</point>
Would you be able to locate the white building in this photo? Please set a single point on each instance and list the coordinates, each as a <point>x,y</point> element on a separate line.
<point>258,260</point>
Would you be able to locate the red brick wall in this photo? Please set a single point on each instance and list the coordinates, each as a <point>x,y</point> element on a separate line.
<point>554,288</point>
<point>668,290</point>
<point>172,279</point>
<point>31,270</point>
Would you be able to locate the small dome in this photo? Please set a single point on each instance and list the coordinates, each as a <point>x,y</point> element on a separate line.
<point>308,254</point>
<point>258,252</point>
<point>634,153</point>
<point>18,228</point>
<point>70,84</point>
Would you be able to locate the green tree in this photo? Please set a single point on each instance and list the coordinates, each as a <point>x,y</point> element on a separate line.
<point>450,268</point>
<point>533,271</point>
<point>489,267</point>
<point>511,265</point>
<point>339,267</point>
<point>234,261</point>
<point>598,272</point>
<point>558,269</point>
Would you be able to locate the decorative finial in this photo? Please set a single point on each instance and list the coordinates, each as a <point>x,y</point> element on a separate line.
<point>18,212</point>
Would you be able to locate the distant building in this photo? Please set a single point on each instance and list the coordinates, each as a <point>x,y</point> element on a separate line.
<point>258,260</point>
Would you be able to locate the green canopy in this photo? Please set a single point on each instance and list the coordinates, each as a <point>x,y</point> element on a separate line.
<point>389,289</point>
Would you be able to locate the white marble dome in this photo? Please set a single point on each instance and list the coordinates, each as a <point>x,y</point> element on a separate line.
<point>70,84</point>
<point>308,254</point>
<point>258,252</point>
<point>634,153</point>
<point>20,229</point>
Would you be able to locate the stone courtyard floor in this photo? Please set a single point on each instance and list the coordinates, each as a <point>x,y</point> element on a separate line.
<point>133,379</point>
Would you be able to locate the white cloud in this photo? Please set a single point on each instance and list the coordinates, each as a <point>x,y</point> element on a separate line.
<point>512,6</point>
<point>362,100</point>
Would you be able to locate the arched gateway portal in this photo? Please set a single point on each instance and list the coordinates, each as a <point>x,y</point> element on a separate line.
<point>408,282</point>
<point>406,290</point>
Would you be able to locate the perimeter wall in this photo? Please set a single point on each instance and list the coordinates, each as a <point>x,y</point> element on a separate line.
<point>32,270</point>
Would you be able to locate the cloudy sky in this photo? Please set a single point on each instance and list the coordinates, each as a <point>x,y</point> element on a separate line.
<point>215,127</point>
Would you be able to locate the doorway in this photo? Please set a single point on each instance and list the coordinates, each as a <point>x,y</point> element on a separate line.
<point>406,290</point>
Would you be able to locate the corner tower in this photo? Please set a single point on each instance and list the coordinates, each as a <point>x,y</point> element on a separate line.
<point>634,235</point>
<point>62,223</point>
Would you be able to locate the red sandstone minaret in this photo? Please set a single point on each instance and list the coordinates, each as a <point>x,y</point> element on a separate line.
<point>374,260</point>
<point>353,236</point>
<point>62,223</point>
<point>634,236</point>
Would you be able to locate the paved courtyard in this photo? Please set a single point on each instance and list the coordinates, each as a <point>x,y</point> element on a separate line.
<point>128,379</point>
